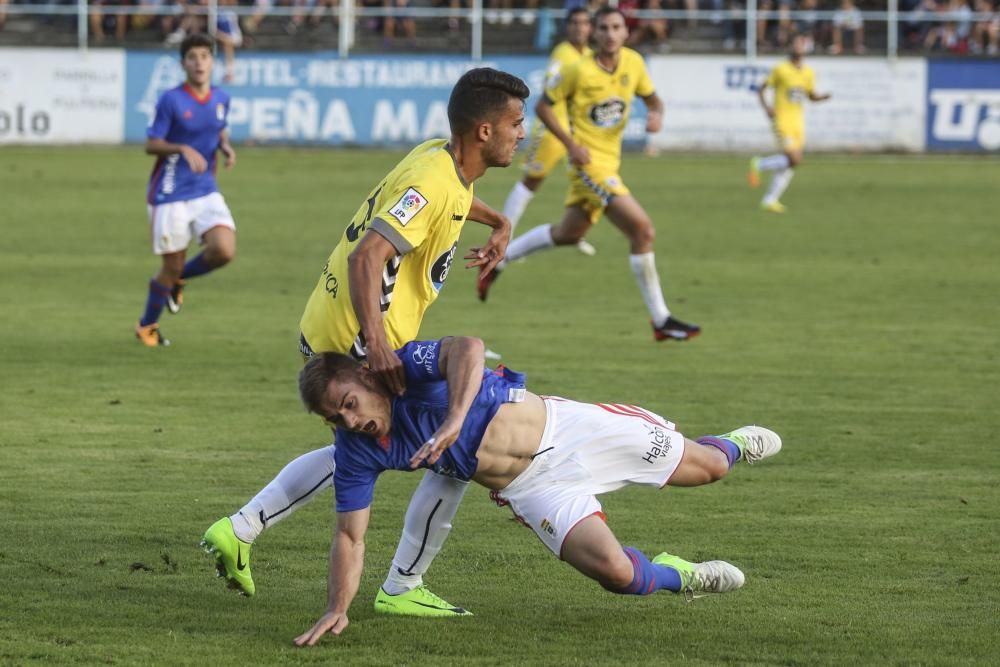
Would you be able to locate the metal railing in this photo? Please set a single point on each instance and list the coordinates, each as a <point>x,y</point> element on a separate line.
<point>348,15</point>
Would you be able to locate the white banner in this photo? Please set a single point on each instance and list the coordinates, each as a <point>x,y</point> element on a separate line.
<point>711,104</point>
<point>50,96</point>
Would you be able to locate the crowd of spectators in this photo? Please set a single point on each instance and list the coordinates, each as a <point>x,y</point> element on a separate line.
<point>956,26</point>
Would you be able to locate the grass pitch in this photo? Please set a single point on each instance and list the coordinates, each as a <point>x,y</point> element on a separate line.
<point>862,326</point>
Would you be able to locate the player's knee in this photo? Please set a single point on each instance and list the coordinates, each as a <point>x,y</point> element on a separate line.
<point>614,573</point>
<point>643,237</point>
<point>567,235</point>
<point>716,468</point>
<point>221,255</point>
<point>794,158</point>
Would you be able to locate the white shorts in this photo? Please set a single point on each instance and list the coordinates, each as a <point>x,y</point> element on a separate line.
<point>173,225</point>
<point>586,450</point>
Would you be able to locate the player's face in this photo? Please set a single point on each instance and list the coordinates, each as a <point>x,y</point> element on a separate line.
<point>578,29</point>
<point>799,46</point>
<point>505,133</point>
<point>197,64</point>
<point>355,404</point>
<point>610,33</point>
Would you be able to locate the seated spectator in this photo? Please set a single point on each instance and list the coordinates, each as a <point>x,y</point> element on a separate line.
<point>316,10</point>
<point>986,34</point>
<point>99,21</point>
<point>251,24</point>
<point>913,28</point>
<point>953,33</point>
<point>785,32</point>
<point>651,34</point>
<point>406,25</point>
<point>154,12</point>
<point>809,26</point>
<point>3,13</point>
<point>847,19</point>
<point>228,35</point>
<point>502,11</point>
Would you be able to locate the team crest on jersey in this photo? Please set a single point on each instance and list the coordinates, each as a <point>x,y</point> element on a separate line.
<point>623,81</point>
<point>408,206</point>
<point>608,113</point>
<point>220,111</point>
<point>441,267</point>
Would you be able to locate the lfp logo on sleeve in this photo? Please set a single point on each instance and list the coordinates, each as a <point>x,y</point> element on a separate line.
<point>408,206</point>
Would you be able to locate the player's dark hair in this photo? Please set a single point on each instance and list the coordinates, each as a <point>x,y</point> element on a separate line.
<point>481,94</point>
<point>316,375</point>
<point>197,39</point>
<point>605,11</point>
<point>576,10</point>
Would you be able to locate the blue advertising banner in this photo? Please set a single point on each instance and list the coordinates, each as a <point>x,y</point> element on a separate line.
<point>963,105</point>
<point>320,98</point>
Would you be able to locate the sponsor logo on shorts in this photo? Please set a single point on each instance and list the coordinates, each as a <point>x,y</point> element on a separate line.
<point>548,528</point>
<point>425,356</point>
<point>659,444</point>
<point>408,206</point>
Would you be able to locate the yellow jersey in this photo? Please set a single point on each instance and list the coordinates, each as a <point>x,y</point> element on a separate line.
<point>563,56</point>
<point>419,207</point>
<point>599,102</point>
<point>792,86</point>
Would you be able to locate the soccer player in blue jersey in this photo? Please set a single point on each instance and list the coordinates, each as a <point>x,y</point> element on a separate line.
<point>183,200</point>
<point>546,457</point>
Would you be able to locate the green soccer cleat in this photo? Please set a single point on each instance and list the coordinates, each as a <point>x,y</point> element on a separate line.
<point>755,442</point>
<point>772,207</point>
<point>753,173</point>
<point>712,576</point>
<point>418,602</point>
<point>232,556</point>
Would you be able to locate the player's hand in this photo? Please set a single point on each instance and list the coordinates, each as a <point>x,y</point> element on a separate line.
<point>230,153</point>
<point>387,367</point>
<point>195,160</point>
<point>488,256</point>
<point>332,621</point>
<point>578,155</point>
<point>654,121</point>
<point>770,113</point>
<point>442,439</point>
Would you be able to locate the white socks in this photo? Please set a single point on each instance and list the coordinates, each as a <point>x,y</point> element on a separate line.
<point>531,241</point>
<point>516,202</point>
<point>294,486</point>
<point>644,268</point>
<point>779,182</point>
<point>773,162</point>
<point>428,522</point>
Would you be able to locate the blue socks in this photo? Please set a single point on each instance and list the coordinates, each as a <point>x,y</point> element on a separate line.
<point>650,577</point>
<point>155,302</point>
<point>727,447</point>
<point>196,267</point>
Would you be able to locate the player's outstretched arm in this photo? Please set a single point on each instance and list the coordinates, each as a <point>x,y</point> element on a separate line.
<point>578,154</point>
<point>364,274</point>
<point>489,255</point>
<point>763,100</point>
<point>462,361</point>
<point>164,148</point>
<point>820,97</point>
<point>347,560</point>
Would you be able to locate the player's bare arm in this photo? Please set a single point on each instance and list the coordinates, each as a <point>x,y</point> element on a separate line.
<point>761,95</point>
<point>654,113</point>
<point>490,254</point>
<point>364,273</point>
<point>347,561</point>
<point>163,148</point>
<point>227,149</point>
<point>462,363</point>
<point>819,97</point>
<point>578,155</point>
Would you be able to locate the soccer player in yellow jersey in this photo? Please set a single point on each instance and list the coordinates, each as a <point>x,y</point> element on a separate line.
<point>387,269</point>
<point>793,83</point>
<point>545,151</point>
<point>599,90</point>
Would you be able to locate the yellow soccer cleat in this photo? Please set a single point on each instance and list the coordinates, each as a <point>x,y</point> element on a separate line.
<point>150,335</point>
<point>773,207</point>
<point>418,602</point>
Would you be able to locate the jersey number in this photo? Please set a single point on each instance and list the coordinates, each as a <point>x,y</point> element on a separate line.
<point>354,232</point>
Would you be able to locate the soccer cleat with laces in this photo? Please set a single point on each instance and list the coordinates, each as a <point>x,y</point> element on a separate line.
<point>418,602</point>
<point>176,298</point>
<point>674,329</point>
<point>755,442</point>
<point>772,207</point>
<point>232,556</point>
<point>712,576</point>
<point>150,336</point>
<point>484,282</point>
<point>753,173</point>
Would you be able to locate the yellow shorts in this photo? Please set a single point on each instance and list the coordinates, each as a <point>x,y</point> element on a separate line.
<point>544,152</point>
<point>790,136</point>
<point>592,187</point>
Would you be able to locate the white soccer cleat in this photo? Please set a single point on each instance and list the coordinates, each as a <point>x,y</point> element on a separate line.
<point>716,576</point>
<point>755,442</point>
<point>587,249</point>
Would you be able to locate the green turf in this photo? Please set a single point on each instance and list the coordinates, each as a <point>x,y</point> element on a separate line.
<point>862,326</point>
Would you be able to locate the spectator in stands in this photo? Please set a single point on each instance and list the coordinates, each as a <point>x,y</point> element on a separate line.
<point>785,31</point>
<point>647,34</point>
<point>3,13</point>
<point>252,23</point>
<point>809,26</point>
<point>847,19</point>
<point>986,34</point>
<point>228,35</point>
<point>154,12</point>
<point>316,10</point>
<point>405,25</point>
<point>912,28</point>
<point>99,21</point>
<point>953,33</point>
